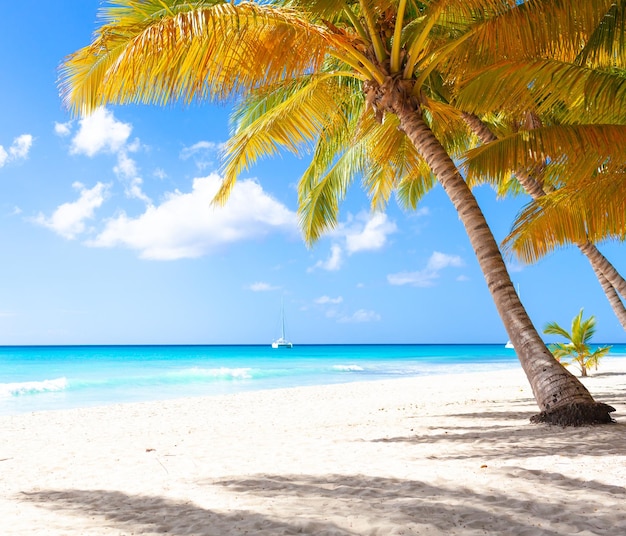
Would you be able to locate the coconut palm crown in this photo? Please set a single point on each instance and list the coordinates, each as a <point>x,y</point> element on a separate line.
<point>367,86</point>
<point>563,138</point>
<point>577,348</point>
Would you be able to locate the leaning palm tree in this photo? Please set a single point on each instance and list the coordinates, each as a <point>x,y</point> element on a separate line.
<point>561,214</point>
<point>576,100</point>
<point>335,76</point>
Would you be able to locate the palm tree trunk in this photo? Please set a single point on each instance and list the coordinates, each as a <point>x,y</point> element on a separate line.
<point>591,252</point>
<point>561,397</point>
<point>611,281</point>
<point>600,263</point>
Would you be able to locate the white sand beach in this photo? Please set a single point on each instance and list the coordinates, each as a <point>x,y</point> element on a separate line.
<point>438,455</point>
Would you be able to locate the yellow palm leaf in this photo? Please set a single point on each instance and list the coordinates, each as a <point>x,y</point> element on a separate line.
<point>593,210</point>
<point>564,90</point>
<point>580,147</point>
<point>200,51</point>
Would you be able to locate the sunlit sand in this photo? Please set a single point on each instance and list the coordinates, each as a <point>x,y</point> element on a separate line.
<point>435,455</point>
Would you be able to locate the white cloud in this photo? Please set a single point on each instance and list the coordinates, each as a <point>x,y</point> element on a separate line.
<point>333,263</point>
<point>438,261</point>
<point>63,129</point>
<point>426,277</point>
<point>126,171</point>
<point>186,225</point>
<point>100,132</point>
<point>371,236</point>
<point>160,173</point>
<point>323,300</point>
<point>204,153</point>
<point>260,286</point>
<point>420,212</point>
<point>200,147</point>
<point>126,166</point>
<point>68,220</point>
<point>18,150</point>
<point>360,316</point>
<point>21,145</point>
<point>369,233</point>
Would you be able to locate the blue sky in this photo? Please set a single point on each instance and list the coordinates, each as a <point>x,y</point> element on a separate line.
<point>108,236</point>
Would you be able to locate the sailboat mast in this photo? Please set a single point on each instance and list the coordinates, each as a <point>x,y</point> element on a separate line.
<point>282,342</point>
<point>282,317</point>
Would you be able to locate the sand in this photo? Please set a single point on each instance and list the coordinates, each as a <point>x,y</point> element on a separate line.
<point>438,455</point>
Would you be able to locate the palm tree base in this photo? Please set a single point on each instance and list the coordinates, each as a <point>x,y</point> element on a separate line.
<point>580,414</point>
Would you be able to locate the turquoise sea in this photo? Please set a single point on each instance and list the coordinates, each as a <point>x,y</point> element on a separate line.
<point>36,378</point>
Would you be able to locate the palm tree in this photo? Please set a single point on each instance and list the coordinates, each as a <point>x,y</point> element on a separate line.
<point>535,229</point>
<point>330,74</point>
<point>575,93</point>
<point>577,349</point>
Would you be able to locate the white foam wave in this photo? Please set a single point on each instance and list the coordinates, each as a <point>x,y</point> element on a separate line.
<point>222,372</point>
<point>348,368</point>
<point>29,388</point>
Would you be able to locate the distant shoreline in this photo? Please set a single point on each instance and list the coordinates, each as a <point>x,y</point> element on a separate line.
<point>261,345</point>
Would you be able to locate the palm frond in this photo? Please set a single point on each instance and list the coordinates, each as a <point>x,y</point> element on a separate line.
<point>413,187</point>
<point>552,328</point>
<point>292,116</point>
<point>390,156</point>
<point>320,194</point>
<point>593,210</point>
<point>535,29</point>
<point>446,122</point>
<point>198,51</point>
<point>577,94</point>
<point>583,147</point>
<point>606,46</point>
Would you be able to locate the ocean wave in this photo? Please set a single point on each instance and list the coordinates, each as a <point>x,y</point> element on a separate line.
<point>30,388</point>
<point>221,372</point>
<point>191,375</point>
<point>348,368</point>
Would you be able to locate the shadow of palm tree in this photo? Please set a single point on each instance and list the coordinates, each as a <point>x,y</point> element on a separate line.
<point>419,507</point>
<point>140,514</point>
<point>595,374</point>
<point>344,505</point>
<point>508,441</point>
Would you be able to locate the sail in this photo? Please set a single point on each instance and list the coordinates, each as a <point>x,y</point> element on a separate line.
<point>282,342</point>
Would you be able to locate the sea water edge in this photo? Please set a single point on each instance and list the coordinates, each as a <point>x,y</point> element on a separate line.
<point>39,378</point>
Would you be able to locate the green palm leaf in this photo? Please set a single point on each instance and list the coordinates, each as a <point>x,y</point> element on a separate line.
<point>291,116</point>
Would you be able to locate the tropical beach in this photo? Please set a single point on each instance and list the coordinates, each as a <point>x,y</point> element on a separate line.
<point>411,387</point>
<point>436,455</point>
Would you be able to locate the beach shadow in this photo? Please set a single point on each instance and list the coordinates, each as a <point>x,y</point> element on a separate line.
<point>497,415</point>
<point>362,505</point>
<point>419,507</point>
<point>606,374</point>
<point>140,514</point>
<point>507,442</point>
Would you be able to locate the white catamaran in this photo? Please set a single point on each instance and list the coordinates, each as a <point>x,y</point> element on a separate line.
<point>282,342</point>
